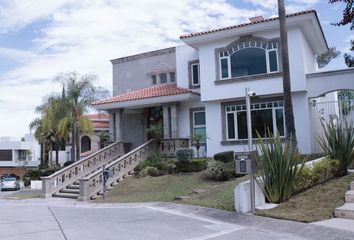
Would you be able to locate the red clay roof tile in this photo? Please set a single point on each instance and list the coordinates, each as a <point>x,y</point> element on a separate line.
<point>243,24</point>
<point>151,92</point>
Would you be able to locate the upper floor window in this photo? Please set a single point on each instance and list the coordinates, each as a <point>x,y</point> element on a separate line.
<point>249,58</point>
<point>195,74</point>
<point>161,78</point>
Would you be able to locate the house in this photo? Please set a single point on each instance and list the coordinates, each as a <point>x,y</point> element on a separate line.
<point>15,155</point>
<point>89,143</point>
<point>199,87</point>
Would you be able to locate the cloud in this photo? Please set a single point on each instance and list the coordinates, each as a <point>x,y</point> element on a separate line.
<point>291,5</point>
<point>84,35</point>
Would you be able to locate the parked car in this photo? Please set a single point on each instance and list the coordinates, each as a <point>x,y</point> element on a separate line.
<point>9,175</point>
<point>9,184</point>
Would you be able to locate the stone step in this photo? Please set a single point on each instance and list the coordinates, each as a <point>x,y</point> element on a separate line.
<point>349,196</point>
<point>76,183</point>
<point>73,187</point>
<point>66,195</point>
<point>352,185</point>
<point>345,211</point>
<point>70,190</point>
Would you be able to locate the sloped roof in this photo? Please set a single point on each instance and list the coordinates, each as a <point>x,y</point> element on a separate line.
<point>150,92</point>
<point>244,24</point>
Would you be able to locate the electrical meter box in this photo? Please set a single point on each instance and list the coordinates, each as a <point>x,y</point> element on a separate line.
<point>107,173</point>
<point>245,162</point>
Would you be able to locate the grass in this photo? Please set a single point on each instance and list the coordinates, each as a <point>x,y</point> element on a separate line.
<point>25,194</point>
<point>166,188</point>
<point>315,204</point>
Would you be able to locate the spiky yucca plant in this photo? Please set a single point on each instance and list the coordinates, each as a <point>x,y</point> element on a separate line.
<point>279,168</point>
<point>337,143</point>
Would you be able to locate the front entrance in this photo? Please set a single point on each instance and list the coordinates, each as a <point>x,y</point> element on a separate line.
<point>154,119</point>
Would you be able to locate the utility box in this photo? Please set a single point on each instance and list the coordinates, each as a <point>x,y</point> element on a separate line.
<point>245,162</point>
<point>107,173</point>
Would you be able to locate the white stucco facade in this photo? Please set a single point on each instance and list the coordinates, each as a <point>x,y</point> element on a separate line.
<point>18,153</point>
<point>217,93</point>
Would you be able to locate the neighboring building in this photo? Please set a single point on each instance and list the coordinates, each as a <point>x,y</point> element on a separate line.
<point>16,154</point>
<point>199,87</point>
<point>89,143</point>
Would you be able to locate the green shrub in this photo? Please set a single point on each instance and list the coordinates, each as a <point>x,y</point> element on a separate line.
<point>318,173</point>
<point>224,156</point>
<point>215,171</point>
<point>68,163</point>
<point>36,174</point>
<point>338,143</point>
<point>278,168</point>
<point>184,154</point>
<point>156,161</point>
<point>196,165</point>
<point>150,171</point>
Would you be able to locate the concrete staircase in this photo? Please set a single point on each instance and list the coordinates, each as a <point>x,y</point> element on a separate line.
<point>347,210</point>
<point>83,180</point>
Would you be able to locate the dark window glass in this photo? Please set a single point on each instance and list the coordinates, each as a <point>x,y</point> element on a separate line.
<point>22,154</point>
<point>248,61</point>
<point>5,155</point>
<point>261,121</point>
<point>173,76</point>
<point>224,68</point>
<point>273,66</point>
<point>279,115</point>
<point>231,126</point>
<point>199,118</point>
<point>154,82</point>
<point>163,78</point>
<point>242,125</point>
<point>195,74</point>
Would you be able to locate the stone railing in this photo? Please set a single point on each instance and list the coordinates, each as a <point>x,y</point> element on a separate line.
<point>169,146</point>
<point>84,167</point>
<point>91,185</point>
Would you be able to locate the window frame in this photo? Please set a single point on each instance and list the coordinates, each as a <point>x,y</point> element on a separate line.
<point>194,126</point>
<point>268,45</point>
<point>192,74</point>
<point>234,112</point>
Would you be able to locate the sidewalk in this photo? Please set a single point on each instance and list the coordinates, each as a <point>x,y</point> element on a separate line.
<point>66,219</point>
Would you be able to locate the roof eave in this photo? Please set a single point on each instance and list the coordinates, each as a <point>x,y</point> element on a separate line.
<point>146,102</point>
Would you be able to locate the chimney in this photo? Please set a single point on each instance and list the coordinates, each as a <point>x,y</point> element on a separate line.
<point>256,19</point>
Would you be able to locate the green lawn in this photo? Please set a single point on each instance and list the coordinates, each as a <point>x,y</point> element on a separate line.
<point>166,188</point>
<point>25,194</point>
<point>315,204</point>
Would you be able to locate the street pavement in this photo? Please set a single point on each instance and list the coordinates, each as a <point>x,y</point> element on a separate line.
<point>70,220</point>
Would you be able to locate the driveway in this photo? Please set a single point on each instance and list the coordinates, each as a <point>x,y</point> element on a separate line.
<point>3,194</point>
<point>65,219</point>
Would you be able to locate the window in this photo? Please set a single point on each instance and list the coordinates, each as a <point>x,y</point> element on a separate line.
<point>163,78</point>
<point>263,115</point>
<point>172,77</point>
<point>22,155</point>
<point>249,58</point>
<point>154,81</point>
<point>195,74</point>
<point>199,123</point>
<point>5,155</point>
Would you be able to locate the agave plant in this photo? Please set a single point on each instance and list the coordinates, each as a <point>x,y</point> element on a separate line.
<point>337,143</point>
<point>280,165</point>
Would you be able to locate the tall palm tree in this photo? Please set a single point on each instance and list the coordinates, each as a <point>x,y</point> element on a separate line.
<point>42,136</point>
<point>80,92</point>
<point>288,105</point>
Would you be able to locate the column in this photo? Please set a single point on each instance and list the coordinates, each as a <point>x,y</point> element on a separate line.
<point>166,122</point>
<point>112,122</point>
<point>174,121</point>
<point>119,125</point>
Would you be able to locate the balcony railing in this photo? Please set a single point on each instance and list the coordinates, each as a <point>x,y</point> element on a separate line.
<point>169,146</point>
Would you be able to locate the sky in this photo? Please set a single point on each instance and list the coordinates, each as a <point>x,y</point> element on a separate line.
<point>39,39</point>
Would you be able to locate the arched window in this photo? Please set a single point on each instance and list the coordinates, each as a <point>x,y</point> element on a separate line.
<point>85,144</point>
<point>249,58</point>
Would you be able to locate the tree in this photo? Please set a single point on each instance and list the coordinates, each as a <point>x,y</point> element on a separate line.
<point>197,139</point>
<point>348,12</point>
<point>325,58</point>
<point>288,106</point>
<point>349,59</point>
<point>42,137</point>
<point>79,92</point>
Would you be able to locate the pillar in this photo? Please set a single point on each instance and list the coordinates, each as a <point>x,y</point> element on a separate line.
<point>174,121</point>
<point>166,122</point>
<point>119,126</point>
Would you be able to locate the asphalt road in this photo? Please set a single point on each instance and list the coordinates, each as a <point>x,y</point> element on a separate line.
<point>65,219</point>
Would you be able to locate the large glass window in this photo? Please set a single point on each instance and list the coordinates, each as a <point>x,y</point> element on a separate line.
<point>199,123</point>
<point>172,77</point>
<point>248,61</point>
<point>249,58</point>
<point>154,81</point>
<point>269,115</point>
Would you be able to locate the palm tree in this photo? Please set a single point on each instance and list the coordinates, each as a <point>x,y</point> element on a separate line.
<point>79,92</point>
<point>288,105</point>
<point>197,139</point>
<point>42,136</point>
